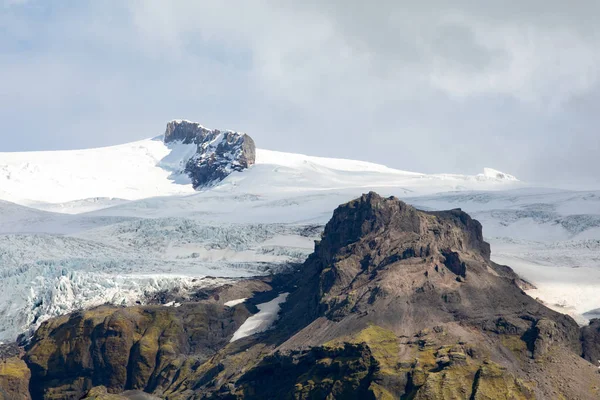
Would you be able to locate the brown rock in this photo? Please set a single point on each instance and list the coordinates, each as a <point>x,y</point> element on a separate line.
<point>14,379</point>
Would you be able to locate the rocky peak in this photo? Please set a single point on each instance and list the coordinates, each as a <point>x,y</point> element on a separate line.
<point>439,317</point>
<point>369,215</point>
<point>383,258</point>
<point>395,225</point>
<point>219,153</point>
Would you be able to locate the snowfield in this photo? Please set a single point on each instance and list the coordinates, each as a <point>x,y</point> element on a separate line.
<point>131,171</point>
<point>261,321</point>
<point>117,224</point>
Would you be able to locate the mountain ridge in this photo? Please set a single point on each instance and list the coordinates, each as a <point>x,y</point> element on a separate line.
<point>393,302</point>
<point>162,166</point>
<point>142,185</point>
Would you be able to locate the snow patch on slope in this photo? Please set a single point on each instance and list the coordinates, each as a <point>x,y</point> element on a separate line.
<point>261,321</point>
<point>234,303</point>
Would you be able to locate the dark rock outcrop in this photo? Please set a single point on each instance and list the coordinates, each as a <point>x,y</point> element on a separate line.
<point>219,153</point>
<point>137,348</point>
<point>318,373</point>
<point>590,339</point>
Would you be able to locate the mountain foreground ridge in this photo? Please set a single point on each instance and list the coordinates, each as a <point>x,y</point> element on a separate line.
<point>393,303</point>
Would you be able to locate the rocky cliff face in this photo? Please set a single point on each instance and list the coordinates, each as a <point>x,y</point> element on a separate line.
<point>140,348</point>
<point>393,303</point>
<point>439,318</point>
<point>590,338</point>
<point>219,153</point>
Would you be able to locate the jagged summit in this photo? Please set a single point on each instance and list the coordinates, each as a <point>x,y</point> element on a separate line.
<point>372,214</point>
<point>218,153</point>
<point>187,131</point>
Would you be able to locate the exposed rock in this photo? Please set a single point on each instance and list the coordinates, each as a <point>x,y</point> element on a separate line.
<point>9,350</point>
<point>544,332</point>
<point>338,373</point>
<point>14,379</point>
<point>376,249</point>
<point>590,339</point>
<point>219,153</point>
<point>136,348</point>
<point>453,263</point>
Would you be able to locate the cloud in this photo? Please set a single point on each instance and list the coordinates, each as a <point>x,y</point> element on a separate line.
<point>432,86</point>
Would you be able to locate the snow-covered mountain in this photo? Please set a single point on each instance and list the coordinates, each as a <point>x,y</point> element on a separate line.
<point>72,181</point>
<point>117,224</point>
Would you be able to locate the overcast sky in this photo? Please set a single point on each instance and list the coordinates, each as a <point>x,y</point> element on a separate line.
<point>428,86</point>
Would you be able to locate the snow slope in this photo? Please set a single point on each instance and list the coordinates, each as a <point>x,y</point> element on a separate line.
<point>80,228</point>
<point>130,171</point>
<point>83,180</point>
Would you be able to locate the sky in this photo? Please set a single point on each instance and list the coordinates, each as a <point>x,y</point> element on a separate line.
<point>431,86</point>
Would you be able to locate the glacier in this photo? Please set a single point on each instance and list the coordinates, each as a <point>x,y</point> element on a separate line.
<point>114,225</point>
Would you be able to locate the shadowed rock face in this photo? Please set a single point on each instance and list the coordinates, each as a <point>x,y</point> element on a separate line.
<point>219,152</point>
<point>292,375</point>
<point>393,303</point>
<point>137,348</point>
<point>590,338</point>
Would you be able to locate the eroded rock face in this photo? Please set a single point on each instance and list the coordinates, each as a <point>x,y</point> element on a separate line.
<point>219,153</point>
<point>136,348</point>
<point>412,284</point>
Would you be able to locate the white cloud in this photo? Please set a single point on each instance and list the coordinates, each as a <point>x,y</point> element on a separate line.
<point>313,76</point>
<point>302,50</point>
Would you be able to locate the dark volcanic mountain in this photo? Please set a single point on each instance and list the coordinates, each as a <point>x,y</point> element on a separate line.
<point>219,152</point>
<point>394,303</point>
